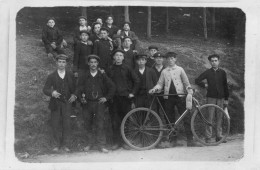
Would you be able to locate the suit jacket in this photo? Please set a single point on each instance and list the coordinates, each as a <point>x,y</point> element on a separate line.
<point>106,84</point>
<point>180,80</point>
<point>52,84</point>
<point>150,77</point>
<point>131,34</point>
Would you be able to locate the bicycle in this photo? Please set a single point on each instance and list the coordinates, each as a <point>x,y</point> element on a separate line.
<point>142,128</point>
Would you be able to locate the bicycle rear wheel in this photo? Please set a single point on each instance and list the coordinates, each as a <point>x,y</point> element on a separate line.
<point>140,129</point>
<point>203,132</point>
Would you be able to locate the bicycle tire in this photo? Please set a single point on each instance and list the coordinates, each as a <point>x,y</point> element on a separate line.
<point>135,132</point>
<point>199,126</point>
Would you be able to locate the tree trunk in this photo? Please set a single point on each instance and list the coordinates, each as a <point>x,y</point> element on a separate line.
<point>84,11</point>
<point>213,21</point>
<point>167,21</point>
<point>205,23</point>
<point>127,14</point>
<point>149,21</point>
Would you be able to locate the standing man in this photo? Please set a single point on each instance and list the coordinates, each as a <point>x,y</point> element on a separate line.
<point>97,89</point>
<point>127,84</point>
<point>175,81</point>
<point>60,87</point>
<point>217,92</point>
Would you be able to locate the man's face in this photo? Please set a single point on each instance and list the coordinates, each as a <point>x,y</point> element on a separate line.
<point>82,22</point>
<point>99,20</point>
<point>97,28</point>
<point>51,23</point>
<point>214,62</point>
<point>104,34</point>
<point>171,61</point>
<point>93,63</point>
<point>109,20</point>
<point>118,57</point>
<point>152,51</point>
<point>127,43</point>
<point>61,64</point>
<point>159,60</point>
<point>126,27</point>
<point>84,37</point>
<point>141,62</point>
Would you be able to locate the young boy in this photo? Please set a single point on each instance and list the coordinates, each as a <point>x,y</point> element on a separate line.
<point>96,32</point>
<point>97,89</point>
<point>113,31</point>
<point>129,59</point>
<point>82,50</point>
<point>52,38</point>
<point>61,88</point>
<point>150,60</point>
<point>127,84</point>
<point>148,80</point>
<point>175,81</point>
<point>127,33</point>
<point>103,49</point>
<point>217,92</point>
<point>83,25</point>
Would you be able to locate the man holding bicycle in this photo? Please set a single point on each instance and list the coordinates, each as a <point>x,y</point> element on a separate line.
<point>174,80</point>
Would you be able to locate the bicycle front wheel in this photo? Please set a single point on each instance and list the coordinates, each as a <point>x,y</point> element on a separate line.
<point>210,125</point>
<point>140,129</point>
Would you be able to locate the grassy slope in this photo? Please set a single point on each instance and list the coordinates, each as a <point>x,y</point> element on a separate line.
<point>32,129</point>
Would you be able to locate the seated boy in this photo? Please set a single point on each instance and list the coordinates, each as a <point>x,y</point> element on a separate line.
<point>83,25</point>
<point>52,38</point>
<point>61,88</point>
<point>129,58</point>
<point>148,80</point>
<point>97,89</point>
<point>127,84</point>
<point>127,33</point>
<point>174,80</point>
<point>82,50</point>
<point>103,49</point>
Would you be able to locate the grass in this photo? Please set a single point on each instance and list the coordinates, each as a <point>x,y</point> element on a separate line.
<point>32,127</point>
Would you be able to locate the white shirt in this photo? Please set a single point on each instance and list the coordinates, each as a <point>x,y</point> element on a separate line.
<point>83,28</point>
<point>61,74</point>
<point>126,33</point>
<point>93,74</point>
<point>141,70</point>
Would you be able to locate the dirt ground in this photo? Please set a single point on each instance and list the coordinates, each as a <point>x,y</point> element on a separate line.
<point>230,151</point>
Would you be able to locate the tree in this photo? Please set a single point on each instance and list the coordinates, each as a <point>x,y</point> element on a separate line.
<point>84,11</point>
<point>149,22</point>
<point>167,21</point>
<point>213,21</point>
<point>205,23</point>
<point>127,14</point>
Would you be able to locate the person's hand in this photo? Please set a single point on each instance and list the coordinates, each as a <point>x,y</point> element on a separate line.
<point>53,45</point>
<point>102,100</point>
<point>76,74</point>
<point>72,98</point>
<point>90,42</point>
<point>118,32</point>
<point>101,70</point>
<point>130,95</point>
<point>55,94</point>
<point>152,91</point>
<point>225,103</point>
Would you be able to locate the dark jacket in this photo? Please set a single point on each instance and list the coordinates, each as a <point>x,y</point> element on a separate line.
<point>131,34</point>
<point>50,35</point>
<point>112,31</point>
<point>106,84</point>
<point>76,35</point>
<point>150,77</point>
<point>52,83</point>
<point>129,58</point>
<point>128,78</point>
<point>217,83</point>
<point>80,56</point>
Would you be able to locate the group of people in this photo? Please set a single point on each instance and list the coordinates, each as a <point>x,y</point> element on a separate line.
<point>110,76</point>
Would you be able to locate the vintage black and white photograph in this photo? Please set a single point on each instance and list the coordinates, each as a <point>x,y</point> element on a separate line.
<point>129,84</point>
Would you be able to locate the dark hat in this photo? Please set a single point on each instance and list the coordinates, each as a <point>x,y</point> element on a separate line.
<point>117,50</point>
<point>104,28</point>
<point>126,38</point>
<point>158,54</point>
<point>170,54</point>
<point>84,31</point>
<point>213,56</point>
<point>80,17</point>
<point>141,55</point>
<point>51,18</point>
<point>127,22</point>
<point>93,56</point>
<point>153,47</point>
<point>62,57</point>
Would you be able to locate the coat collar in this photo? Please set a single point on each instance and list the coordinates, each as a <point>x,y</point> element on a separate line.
<point>171,68</point>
